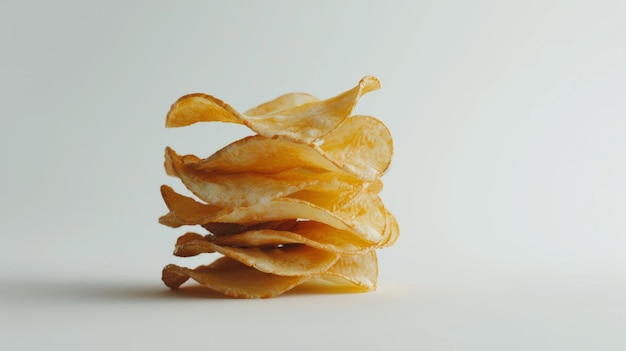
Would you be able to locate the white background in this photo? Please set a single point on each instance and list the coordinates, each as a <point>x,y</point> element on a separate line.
<point>508,179</point>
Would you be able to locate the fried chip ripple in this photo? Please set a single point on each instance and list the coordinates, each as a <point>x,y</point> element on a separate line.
<point>296,202</point>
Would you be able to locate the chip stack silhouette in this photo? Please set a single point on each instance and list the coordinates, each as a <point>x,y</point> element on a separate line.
<point>296,202</point>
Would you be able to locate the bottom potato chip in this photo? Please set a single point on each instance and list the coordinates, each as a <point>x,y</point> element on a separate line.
<point>232,278</point>
<point>235,279</point>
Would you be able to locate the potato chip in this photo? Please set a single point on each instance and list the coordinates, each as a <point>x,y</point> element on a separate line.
<point>302,123</point>
<point>290,259</point>
<point>363,215</point>
<point>361,146</point>
<point>224,189</point>
<point>187,238</point>
<point>232,278</point>
<point>261,155</point>
<point>310,233</point>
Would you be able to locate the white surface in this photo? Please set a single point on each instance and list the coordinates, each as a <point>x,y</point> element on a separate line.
<point>508,179</point>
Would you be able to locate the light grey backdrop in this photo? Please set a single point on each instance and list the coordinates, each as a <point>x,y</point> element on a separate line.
<point>508,178</point>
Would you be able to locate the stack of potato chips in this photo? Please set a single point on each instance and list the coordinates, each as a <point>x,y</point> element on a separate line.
<point>297,201</point>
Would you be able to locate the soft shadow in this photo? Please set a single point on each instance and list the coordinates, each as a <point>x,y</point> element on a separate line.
<point>47,290</point>
<point>196,292</point>
<point>321,287</point>
<point>63,290</point>
<point>307,288</point>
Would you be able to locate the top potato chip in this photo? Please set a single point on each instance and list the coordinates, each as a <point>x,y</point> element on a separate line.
<point>299,117</point>
<point>361,146</point>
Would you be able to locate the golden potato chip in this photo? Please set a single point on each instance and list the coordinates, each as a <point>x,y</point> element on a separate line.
<point>302,123</point>
<point>363,215</point>
<point>310,233</point>
<point>361,146</point>
<point>291,259</point>
<point>189,239</point>
<point>224,189</point>
<point>186,211</point>
<point>261,155</point>
<point>232,278</point>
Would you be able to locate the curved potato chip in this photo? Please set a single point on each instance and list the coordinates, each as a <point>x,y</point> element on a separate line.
<point>235,279</point>
<point>261,155</point>
<point>364,214</point>
<point>187,211</point>
<point>302,123</point>
<point>314,234</point>
<point>294,259</point>
<point>188,239</point>
<point>226,189</point>
<point>232,278</point>
<point>361,146</point>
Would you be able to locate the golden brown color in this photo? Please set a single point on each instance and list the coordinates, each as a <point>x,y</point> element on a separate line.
<point>299,201</point>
